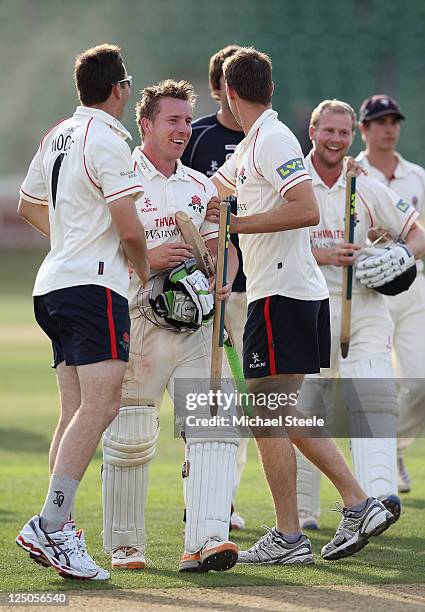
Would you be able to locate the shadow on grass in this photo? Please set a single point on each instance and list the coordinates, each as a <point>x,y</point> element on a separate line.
<point>23,441</point>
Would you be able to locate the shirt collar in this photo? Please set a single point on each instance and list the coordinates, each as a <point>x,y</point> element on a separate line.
<point>316,179</point>
<point>401,169</point>
<point>265,115</point>
<point>149,171</point>
<point>88,111</point>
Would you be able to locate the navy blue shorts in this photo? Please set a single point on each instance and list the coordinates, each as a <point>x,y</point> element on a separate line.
<point>286,336</point>
<point>86,324</point>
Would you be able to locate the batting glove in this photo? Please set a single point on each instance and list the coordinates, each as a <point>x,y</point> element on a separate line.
<point>378,266</point>
<point>196,285</point>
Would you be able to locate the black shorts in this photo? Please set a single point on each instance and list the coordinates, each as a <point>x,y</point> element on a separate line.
<point>86,324</point>
<point>286,336</point>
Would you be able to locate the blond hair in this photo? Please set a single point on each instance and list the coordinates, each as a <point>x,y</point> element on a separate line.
<point>333,106</point>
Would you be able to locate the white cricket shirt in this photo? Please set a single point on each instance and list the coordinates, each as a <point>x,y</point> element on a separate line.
<point>82,166</point>
<point>408,181</point>
<point>267,163</point>
<point>186,190</point>
<point>376,206</point>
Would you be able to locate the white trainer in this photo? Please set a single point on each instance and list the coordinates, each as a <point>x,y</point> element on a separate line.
<point>102,574</point>
<point>237,521</point>
<point>272,548</point>
<point>128,557</point>
<point>356,527</point>
<point>63,550</point>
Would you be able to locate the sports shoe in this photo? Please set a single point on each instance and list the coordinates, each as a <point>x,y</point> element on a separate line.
<point>236,521</point>
<point>63,550</point>
<point>70,526</point>
<point>128,557</point>
<point>404,481</point>
<point>215,555</point>
<point>307,521</point>
<point>356,528</point>
<point>102,573</point>
<point>272,548</point>
<point>392,504</point>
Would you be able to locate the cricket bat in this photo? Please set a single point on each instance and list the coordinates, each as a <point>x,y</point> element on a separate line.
<point>205,262</point>
<point>347,271</point>
<point>220,306</point>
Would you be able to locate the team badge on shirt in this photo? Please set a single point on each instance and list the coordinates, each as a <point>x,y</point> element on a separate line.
<point>402,206</point>
<point>196,204</point>
<point>241,176</point>
<point>289,167</point>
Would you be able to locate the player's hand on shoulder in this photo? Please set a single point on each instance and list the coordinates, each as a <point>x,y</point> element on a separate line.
<point>343,254</point>
<point>353,167</point>
<point>169,255</point>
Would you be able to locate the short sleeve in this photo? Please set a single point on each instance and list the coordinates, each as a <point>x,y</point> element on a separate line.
<point>110,158</point>
<point>389,210</point>
<point>226,174</point>
<point>280,160</point>
<point>34,188</point>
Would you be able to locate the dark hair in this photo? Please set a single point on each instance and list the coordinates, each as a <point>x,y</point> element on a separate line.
<point>148,105</point>
<point>96,71</point>
<point>249,73</point>
<point>216,65</point>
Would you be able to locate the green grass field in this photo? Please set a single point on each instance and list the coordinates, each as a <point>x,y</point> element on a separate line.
<point>28,400</point>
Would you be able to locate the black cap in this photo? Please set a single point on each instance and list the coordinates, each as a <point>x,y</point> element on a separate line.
<point>379,106</point>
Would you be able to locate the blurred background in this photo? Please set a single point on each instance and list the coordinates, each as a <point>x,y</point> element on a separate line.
<point>347,49</point>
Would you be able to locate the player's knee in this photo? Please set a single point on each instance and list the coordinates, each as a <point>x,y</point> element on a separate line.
<point>132,437</point>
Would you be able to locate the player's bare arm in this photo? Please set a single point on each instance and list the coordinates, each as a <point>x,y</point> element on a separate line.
<point>299,209</point>
<point>36,215</point>
<point>223,191</point>
<point>415,240</point>
<point>343,254</point>
<point>232,268</point>
<point>169,255</point>
<point>132,235</point>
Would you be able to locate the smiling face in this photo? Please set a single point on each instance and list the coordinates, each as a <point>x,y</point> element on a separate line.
<point>381,134</point>
<point>169,132</point>
<point>332,137</point>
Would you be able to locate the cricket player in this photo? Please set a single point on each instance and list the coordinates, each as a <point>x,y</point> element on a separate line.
<point>171,340</point>
<point>332,129</point>
<point>380,121</point>
<point>287,332</point>
<point>214,138</point>
<point>80,190</point>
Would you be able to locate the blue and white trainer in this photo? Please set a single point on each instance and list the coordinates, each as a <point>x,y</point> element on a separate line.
<point>271,548</point>
<point>355,529</point>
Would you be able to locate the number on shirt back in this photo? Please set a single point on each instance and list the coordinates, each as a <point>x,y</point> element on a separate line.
<point>55,176</point>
